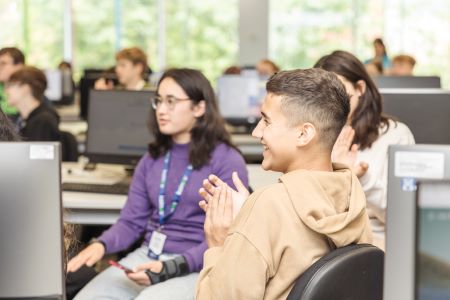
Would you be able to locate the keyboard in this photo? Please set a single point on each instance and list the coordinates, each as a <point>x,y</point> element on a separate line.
<point>118,188</point>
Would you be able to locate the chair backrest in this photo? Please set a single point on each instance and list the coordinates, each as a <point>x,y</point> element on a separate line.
<point>353,272</point>
<point>69,146</point>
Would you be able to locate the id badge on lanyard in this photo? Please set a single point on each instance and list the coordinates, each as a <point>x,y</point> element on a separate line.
<point>158,239</point>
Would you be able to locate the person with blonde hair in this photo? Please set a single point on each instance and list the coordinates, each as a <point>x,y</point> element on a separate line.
<point>266,67</point>
<point>402,65</point>
<point>131,70</point>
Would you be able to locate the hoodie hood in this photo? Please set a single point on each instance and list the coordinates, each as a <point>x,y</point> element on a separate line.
<point>336,209</point>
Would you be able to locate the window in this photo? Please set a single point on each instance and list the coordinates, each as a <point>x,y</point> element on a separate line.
<point>36,28</point>
<point>301,31</point>
<point>202,34</point>
<point>94,35</point>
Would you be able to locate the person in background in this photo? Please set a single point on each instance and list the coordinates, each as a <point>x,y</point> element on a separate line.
<point>374,69</point>
<point>266,68</point>
<point>25,92</point>
<point>131,69</point>
<point>232,70</point>
<point>380,54</point>
<point>68,85</point>
<point>11,60</point>
<point>363,143</point>
<point>282,229</point>
<point>191,142</point>
<point>402,65</point>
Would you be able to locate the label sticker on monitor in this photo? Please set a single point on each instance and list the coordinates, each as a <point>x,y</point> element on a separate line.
<point>42,152</point>
<point>408,184</point>
<point>428,165</point>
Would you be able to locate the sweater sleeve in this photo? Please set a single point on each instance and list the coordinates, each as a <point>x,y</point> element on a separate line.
<point>134,215</point>
<point>235,271</point>
<point>224,162</point>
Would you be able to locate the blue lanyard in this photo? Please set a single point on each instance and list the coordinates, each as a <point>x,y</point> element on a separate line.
<point>162,190</point>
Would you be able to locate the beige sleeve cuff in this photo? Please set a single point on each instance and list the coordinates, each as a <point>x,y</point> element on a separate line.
<point>211,256</point>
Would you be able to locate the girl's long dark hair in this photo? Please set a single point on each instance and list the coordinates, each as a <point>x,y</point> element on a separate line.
<point>7,133</point>
<point>368,116</point>
<point>209,129</point>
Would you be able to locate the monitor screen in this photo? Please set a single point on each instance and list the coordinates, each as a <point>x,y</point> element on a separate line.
<point>425,113</point>
<point>240,98</point>
<point>54,85</point>
<point>433,241</point>
<point>405,82</point>
<point>87,82</point>
<point>117,126</point>
<point>409,164</point>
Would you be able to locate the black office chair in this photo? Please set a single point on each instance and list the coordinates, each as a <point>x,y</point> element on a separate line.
<point>353,272</point>
<point>69,146</point>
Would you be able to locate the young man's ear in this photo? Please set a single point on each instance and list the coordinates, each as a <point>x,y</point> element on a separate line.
<point>199,109</point>
<point>307,132</point>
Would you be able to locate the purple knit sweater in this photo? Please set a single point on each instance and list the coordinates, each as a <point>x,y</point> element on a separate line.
<point>184,229</point>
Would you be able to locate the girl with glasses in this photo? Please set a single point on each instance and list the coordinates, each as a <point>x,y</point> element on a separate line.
<point>190,143</point>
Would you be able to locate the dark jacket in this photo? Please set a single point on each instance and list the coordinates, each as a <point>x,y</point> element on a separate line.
<point>41,125</point>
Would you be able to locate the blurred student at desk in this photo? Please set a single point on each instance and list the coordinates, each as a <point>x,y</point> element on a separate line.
<point>25,92</point>
<point>11,60</point>
<point>402,65</point>
<point>131,70</point>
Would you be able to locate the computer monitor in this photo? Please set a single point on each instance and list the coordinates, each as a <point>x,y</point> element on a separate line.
<point>117,126</point>
<point>405,82</point>
<point>87,82</point>
<point>433,240</point>
<point>31,243</point>
<point>240,98</point>
<point>425,113</point>
<point>54,91</point>
<point>407,164</point>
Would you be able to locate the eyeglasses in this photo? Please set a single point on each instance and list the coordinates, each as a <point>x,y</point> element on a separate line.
<point>170,101</point>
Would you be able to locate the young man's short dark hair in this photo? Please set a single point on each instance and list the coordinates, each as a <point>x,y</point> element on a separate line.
<point>315,96</point>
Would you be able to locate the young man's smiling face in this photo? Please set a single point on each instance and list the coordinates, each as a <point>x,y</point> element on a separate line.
<point>277,136</point>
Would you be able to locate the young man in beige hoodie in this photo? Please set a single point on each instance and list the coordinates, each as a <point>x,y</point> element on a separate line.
<point>282,229</point>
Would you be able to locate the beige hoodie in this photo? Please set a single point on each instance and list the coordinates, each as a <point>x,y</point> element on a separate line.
<point>281,230</point>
